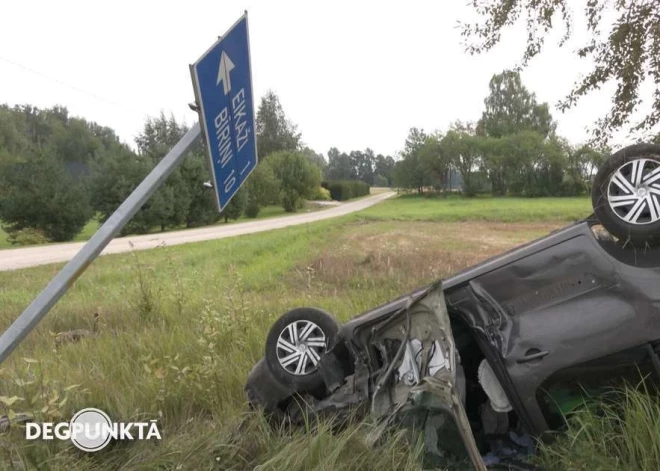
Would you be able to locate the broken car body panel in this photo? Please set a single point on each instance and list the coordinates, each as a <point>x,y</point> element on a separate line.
<point>426,379</point>
<point>405,365</point>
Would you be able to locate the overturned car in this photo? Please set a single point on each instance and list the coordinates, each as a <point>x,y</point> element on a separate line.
<point>499,353</point>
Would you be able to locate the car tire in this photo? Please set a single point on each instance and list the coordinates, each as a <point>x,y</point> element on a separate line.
<point>626,195</point>
<point>295,344</point>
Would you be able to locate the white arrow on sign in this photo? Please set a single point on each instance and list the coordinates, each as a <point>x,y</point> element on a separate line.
<point>226,66</point>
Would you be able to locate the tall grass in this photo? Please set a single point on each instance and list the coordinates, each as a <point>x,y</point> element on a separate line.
<point>620,431</point>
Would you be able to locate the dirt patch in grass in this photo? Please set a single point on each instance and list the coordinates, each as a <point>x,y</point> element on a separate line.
<point>410,254</point>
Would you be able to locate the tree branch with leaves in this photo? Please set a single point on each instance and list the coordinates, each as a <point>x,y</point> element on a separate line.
<point>627,52</point>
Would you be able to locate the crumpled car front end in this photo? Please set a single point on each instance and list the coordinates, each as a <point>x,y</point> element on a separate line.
<point>399,369</point>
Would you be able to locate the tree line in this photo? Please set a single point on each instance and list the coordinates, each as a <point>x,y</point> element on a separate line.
<point>57,172</point>
<point>513,149</point>
<point>375,170</point>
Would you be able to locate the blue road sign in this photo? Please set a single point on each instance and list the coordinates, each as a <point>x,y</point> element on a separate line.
<point>222,79</point>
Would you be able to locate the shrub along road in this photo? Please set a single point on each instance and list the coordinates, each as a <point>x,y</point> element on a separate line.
<point>13,259</point>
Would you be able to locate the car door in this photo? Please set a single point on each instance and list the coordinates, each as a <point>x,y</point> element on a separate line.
<point>425,392</point>
<point>558,307</point>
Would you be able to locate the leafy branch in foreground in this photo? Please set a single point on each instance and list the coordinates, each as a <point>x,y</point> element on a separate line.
<point>628,54</point>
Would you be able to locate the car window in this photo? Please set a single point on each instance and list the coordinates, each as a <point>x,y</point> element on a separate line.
<point>567,389</point>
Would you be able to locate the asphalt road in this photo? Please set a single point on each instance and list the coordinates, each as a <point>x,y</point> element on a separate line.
<point>13,259</point>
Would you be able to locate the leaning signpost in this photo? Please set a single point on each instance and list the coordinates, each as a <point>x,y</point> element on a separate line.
<point>222,78</point>
<point>223,90</point>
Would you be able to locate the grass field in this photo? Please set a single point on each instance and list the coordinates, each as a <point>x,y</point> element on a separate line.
<point>507,209</point>
<point>182,326</point>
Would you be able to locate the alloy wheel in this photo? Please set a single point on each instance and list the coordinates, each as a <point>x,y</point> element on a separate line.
<point>634,192</point>
<point>300,346</point>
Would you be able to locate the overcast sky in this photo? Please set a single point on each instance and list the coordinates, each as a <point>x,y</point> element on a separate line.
<point>350,74</point>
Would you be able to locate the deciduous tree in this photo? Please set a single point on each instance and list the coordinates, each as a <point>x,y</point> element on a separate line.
<point>511,108</point>
<point>463,148</point>
<point>298,176</point>
<point>340,166</point>
<point>412,171</point>
<point>274,130</point>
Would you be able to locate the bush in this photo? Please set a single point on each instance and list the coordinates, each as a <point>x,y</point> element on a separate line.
<point>291,200</point>
<point>298,178</point>
<point>27,236</point>
<point>346,189</point>
<point>321,194</point>
<point>263,185</point>
<point>252,209</point>
<point>263,188</point>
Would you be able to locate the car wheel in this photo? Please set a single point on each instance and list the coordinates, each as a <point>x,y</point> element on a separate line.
<point>296,343</point>
<point>626,194</point>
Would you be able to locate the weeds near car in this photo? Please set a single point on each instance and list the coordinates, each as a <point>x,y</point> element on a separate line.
<point>179,292</point>
<point>235,294</point>
<point>620,432</point>
<point>148,297</point>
